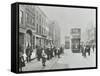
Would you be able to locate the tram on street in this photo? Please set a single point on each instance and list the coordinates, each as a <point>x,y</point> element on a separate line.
<point>75,40</point>
<point>75,45</point>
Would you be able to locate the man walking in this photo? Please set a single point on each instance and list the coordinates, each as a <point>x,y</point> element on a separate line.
<point>55,51</point>
<point>38,52</point>
<point>58,52</point>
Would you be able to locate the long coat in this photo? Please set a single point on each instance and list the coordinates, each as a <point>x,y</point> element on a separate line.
<point>44,56</point>
<point>21,62</point>
<point>39,51</point>
<point>28,51</point>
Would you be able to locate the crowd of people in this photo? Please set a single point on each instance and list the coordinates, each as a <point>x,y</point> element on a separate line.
<point>42,54</point>
<point>86,49</point>
<point>47,53</point>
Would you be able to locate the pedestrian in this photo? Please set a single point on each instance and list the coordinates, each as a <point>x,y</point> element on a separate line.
<point>21,59</point>
<point>38,53</point>
<point>47,52</point>
<point>82,50</point>
<point>93,47</point>
<point>88,50</point>
<point>85,51</point>
<point>51,52</point>
<point>58,52</point>
<point>55,51</point>
<point>61,50</point>
<point>44,56</point>
<point>28,53</point>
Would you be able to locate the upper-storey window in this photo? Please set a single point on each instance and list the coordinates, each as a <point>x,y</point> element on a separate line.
<point>27,18</point>
<point>21,17</point>
<point>33,21</point>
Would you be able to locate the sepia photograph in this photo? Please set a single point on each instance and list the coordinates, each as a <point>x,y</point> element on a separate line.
<point>55,37</point>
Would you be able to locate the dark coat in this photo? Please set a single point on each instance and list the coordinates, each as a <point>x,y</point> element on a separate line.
<point>39,52</point>
<point>28,51</point>
<point>21,62</point>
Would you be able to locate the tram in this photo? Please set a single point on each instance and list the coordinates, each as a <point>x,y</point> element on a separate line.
<point>75,40</point>
<point>75,45</point>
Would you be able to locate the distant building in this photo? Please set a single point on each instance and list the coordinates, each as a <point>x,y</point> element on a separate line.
<point>57,37</point>
<point>92,36</point>
<point>54,33</point>
<point>67,42</point>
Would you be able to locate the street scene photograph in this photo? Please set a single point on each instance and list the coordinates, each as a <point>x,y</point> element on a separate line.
<point>54,37</point>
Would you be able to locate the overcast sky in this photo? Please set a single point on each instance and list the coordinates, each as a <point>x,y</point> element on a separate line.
<point>68,18</point>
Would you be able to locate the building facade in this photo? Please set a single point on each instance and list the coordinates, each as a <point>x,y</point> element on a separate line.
<point>26,26</point>
<point>92,36</point>
<point>67,42</point>
<point>41,27</point>
<point>57,35</point>
<point>54,33</point>
<point>35,29</point>
<point>32,27</point>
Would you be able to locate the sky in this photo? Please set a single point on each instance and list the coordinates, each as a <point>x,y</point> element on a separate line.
<point>68,18</point>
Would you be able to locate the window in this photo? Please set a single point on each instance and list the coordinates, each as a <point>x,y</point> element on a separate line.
<point>33,21</point>
<point>21,17</point>
<point>30,20</point>
<point>40,29</point>
<point>27,18</point>
<point>37,28</point>
<point>37,15</point>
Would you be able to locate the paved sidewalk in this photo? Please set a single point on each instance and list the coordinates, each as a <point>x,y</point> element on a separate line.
<point>37,65</point>
<point>67,60</point>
